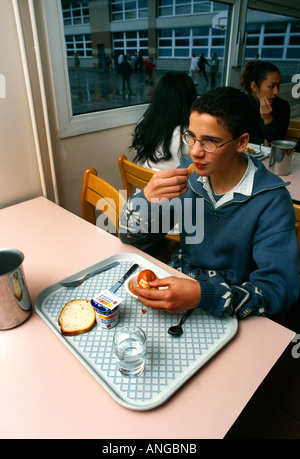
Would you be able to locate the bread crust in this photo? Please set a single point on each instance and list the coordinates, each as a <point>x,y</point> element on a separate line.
<point>69,313</point>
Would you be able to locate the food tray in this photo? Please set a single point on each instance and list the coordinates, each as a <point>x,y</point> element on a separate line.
<point>170,361</point>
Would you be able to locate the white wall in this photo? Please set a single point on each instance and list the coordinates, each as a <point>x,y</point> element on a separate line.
<point>99,150</point>
<point>19,173</point>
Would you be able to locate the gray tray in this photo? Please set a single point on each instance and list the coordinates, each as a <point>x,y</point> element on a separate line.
<point>170,361</point>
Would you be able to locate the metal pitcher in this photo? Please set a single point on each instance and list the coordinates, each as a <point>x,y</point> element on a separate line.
<point>15,304</point>
<point>281,156</point>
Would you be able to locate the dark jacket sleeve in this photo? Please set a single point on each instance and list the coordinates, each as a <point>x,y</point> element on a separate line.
<point>276,130</point>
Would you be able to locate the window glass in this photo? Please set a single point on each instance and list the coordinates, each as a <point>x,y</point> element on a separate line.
<point>274,38</point>
<point>201,7</point>
<point>95,49</point>
<point>271,53</point>
<point>293,53</point>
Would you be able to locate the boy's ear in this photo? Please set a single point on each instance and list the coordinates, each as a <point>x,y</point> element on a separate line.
<point>243,142</point>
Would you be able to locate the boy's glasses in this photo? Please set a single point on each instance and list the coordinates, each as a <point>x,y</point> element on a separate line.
<point>207,145</point>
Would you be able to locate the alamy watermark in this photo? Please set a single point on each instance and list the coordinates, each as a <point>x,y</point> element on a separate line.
<point>188,216</point>
<point>296,349</point>
<point>296,88</point>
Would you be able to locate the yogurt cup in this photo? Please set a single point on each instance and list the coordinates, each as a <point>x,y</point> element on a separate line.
<point>106,305</point>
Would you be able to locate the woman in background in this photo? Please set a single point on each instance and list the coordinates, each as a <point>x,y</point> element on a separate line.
<point>157,137</point>
<point>271,114</point>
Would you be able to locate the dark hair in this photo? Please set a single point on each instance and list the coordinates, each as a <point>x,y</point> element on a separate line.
<point>256,71</point>
<point>170,107</point>
<point>229,105</point>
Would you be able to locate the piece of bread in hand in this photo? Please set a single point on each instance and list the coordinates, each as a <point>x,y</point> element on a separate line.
<point>76,317</point>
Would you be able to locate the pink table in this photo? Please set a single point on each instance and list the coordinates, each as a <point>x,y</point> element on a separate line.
<point>47,393</point>
<point>293,177</point>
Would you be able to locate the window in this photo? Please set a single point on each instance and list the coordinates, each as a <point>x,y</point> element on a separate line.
<point>183,42</point>
<point>181,7</point>
<point>130,43</point>
<point>275,38</point>
<point>89,99</point>
<point>75,13</point>
<point>79,44</point>
<point>122,10</point>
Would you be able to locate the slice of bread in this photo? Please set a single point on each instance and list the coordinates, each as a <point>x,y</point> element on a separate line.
<point>77,316</point>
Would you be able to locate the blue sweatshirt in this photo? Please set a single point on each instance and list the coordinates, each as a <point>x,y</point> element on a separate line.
<point>247,260</point>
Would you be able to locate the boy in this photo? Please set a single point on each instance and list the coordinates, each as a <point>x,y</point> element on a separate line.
<point>246,263</point>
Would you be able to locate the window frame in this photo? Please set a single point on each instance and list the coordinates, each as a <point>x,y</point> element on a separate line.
<point>68,124</point>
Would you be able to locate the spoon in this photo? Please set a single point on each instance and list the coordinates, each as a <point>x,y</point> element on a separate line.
<point>176,330</point>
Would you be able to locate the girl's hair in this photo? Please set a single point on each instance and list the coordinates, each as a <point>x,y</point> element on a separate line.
<point>256,71</point>
<point>170,107</point>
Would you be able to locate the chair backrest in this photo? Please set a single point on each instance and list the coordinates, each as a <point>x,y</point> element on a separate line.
<point>133,176</point>
<point>293,134</point>
<point>293,131</point>
<point>98,194</point>
<point>297,214</point>
<point>294,123</point>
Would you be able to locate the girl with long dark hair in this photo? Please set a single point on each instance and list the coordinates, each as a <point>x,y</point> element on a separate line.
<point>157,137</point>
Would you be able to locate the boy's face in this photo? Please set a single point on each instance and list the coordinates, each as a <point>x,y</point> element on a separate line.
<point>204,126</point>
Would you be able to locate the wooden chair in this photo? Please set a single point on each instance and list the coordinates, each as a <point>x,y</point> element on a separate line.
<point>297,214</point>
<point>294,123</point>
<point>134,176</point>
<point>98,194</point>
<point>293,131</point>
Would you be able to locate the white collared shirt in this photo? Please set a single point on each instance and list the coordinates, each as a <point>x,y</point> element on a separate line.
<point>244,186</point>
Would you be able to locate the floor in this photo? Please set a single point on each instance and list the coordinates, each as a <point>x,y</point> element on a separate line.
<point>274,410</point>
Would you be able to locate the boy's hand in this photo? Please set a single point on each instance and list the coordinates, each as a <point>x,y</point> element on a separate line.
<point>181,294</point>
<point>167,184</point>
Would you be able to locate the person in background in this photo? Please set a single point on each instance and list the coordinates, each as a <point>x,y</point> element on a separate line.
<point>194,72</point>
<point>201,65</point>
<point>119,61</point>
<point>157,137</point>
<point>140,62</point>
<point>149,68</point>
<point>238,242</point>
<point>125,72</point>
<point>76,64</point>
<point>271,114</point>
<point>76,60</point>
<point>107,63</point>
<point>214,68</point>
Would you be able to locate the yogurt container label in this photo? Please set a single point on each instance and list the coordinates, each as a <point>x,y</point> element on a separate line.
<point>106,305</point>
<point>105,302</point>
